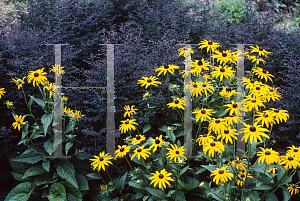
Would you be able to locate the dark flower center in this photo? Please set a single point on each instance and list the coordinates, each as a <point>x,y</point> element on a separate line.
<point>253,101</point>
<point>177,152</point>
<point>166,67</point>
<point>264,71</point>
<point>194,85</point>
<point>210,42</point>
<point>176,101</point>
<point>157,141</point>
<point>101,159</point>
<point>129,110</point>
<point>36,74</point>
<point>212,144</point>
<point>226,131</point>
<point>271,90</point>
<point>242,175</point>
<point>221,171</point>
<point>200,63</point>
<point>290,158</point>
<point>222,70</point>
<point>228,89</point>
<point>19,82</point>
<point>251,81</point>
<point>234,105</point>
<point>266,115</point>
<point>231,115</point>
<point>139,150</point>
<point>257,88</point>
<point>204,135</point>
<point>296,150</point>
<point>261,49</point>
<point>252,128</point>
<point>224,55</point>
<point>149,80</point>
<point>122,149</point>
<point>204,85</point>
<point>127,122</point>
<point>18,121</point>
<point>268,153</point>
<point>276,110</point>
<point>138,137</point>
<point>202,111</point>
<point>161,176</point>
<point>217,121</point>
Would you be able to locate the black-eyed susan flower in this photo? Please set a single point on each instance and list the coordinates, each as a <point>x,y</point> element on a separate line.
<point>258,89</point>
<point>176,153</point>
<point>238,163</point>
<point>103,187</point>
<point>9,104</point>
<point>263,74</point>
<point>294,150</point>
<point>249,83</point>
<point>127,125</point>
<point>273,170</point>
<point>186,72</point>
<point>196,89</point>
<point>122,151</point>
<point>265,118</point>
<point>227,135</point>
<point>206,87</point>
<point>185,51</point>
<point>149,81</point>
<point>166,68</point>
<point>260,51</point>
<point>221,175</point>
<point>19,120</point>
<point>209,45</point>
<point>18,82</point>
<point>217,125</point>
<point>203,114</point>
<point>236,56</point>
<point>101,161</point>
<point>140,151</point>
<point>157,142</point>
<point>129,110</point>
<point>52,89</point>
<point>212,148</point>
<point>254,102</point>
<point>273,94</point>
<point>280,115</point>
<point>232,119</point>
<point>223,72</point>
<point>178,102</point>
<point>205,138</point>
<point>146,95</point>
<point>254,132</point>
<point>161,178</point>
<point>293,189</point>
<point>223,57</point>
<point>64,99</point>
<point>58,69</point>
<point>256,60</point>
<point>227,92</point>
<point>137,139</point>
<point>233,108</point>
<point>290,161</point>
<point>67,111</point>
<point>2,92</point>
<point>242,177</point>
<point>37,76</point>
<point>200,65</point>
<point>268,155</point>
<point>77,114</point>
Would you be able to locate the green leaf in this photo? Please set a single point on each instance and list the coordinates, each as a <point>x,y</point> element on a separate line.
<point>155,192</point>
<point>57,192</point>
<point>134,184</point>
<point>73,193</point>
<point>21,192</point>
<point>253,148</point>
<point>190,184</point>
<point>170,134</point>
<point>92,176</point>
<point>263,187</point>
<point>46,121</point>
<point>83,184</point>
<point>286,194</point>
<point>121,182</point>
<point>179,196</point>
<point>44,179</point>
<point>34,170</point>
<point>272,197</point>
<point>145,197</point>
<point>68,147</point>
<point>178,134</point>
<point>280,173</point>
<point>38,101</point>
<point>223,113</point>
<point>48,145</point>
<point>210,167</point>
<point>30,103</point>
<point>66,171</point>
<point>138,195</point>
<point>18,175</point>
<point>177,124</point>
<point>146,128</point>
<point>163,128</point>
<point>217,196</point>
<point>70,126</point>
<point>29,156</point>
<point>183,170</point>
<point>200,170</point>
<point>25,131</point>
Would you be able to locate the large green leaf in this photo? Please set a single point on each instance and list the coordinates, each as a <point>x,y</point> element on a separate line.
<point>70,126</point>
<point>57,192</point>
<point>281,171</point>
<point>190,184</point>
<point>38,101</point>
<point>66,171</point>
<point>286,194</point>
<point>29,156</point>
<point>34,170</point>
<point>46,121</point>
<point>272,197</point>
<point>48,145</point>
<point>21,192</point>
<point>155,192</point>
<point>146,128</point>
<point>210,167</point>
<point>163,128</point>
<point>179,196</point>
<point>68,147</point>
<point>83,184</point>
<point>92,176</point>
<point>121,182</point>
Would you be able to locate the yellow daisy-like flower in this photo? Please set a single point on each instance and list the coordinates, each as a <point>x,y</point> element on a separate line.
<point>227,92</point>
<point>205,138</point>
<point>129,110</point>
<point>242,178</point>
<point>209,45</point>
<point>217,125</point>
<point>127,125</point>
<point>203,114</point>
<point>280,115</point>
<point>140,151</point>
<point>9,104</point>
<point>268,155</point>
<point>265,117</point>
<point>103,187</point>
<point>64,99</point>
<point>161,178</point>
<point>200,65</point>
<point>223,72</point>
<point>260,51</point>
<point>18,82</point>
<point>185,51</point>
<point>232,119</point>
<point>157,142</point>
<point>222,57</point>
<point>233,108</point>
<point>186,72</point>
<point>52,88</point>
<point>254,132</point>
<point>101,161</point>
<point>258,90</point>
<point>290,160</point>
<point>256,60</point>
<point>239,164</point>
<point>227,135</point>
<point>196,89</point>
<point>122,151</point>
<point>206,87</point>
<point>2,92</point>
<point>137,140</point>
<point>221,175</point>
<point>146,95</point>
<point>293,189</point>
<point>273,170</point>
<point>254,102</point>
<point>37,76</point>
<point>178,102</point>
<point>212,148</point>
<point>263,74</point>
<point>77,114</point>
<point>273,94</point>
<point>294,150</point>
<point>236,56</point>
<point>149,81</point>
<point>165,69</point>
<point>58,69</point>
<point>249,83</point>
<point>67,111</point>
<point>19,120</point>
<point>176,153</point>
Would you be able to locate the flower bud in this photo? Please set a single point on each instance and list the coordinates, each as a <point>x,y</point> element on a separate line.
<point>201,184</point>
<point>169,128</point>
<point>138,181</point>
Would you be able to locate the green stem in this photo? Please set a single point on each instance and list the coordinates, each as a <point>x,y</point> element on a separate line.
<point>180,116</point>
<point>43,96</point>
<point>266,141</point>
<point>25,99</point>
<point>146,166</point>
<point>197,134</point>
<point>168,86</point>
<point>129,164</point>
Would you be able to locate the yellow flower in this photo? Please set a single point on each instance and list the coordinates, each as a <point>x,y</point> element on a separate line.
<point>186,72</point>
<point>129,110</point>
<point>260,51</point>
<point>213,147</point>
<point>157,142</point>
<point>227,92</point>
<point>206,87</point>
<point>268,155</point>
<point>179,103</point>
<point>222,57</point>
<point>165,69</point>
<point>223,72</point>
<point>149,81</point>
<point>161,178</point>
<point>273,170</point>
<point>233,108</point>
<point>221,174</point>
<point>77,114</point>
<point>9,104</point>
<point>293,189</point>
<point>19,121</point>
<point>239,164</point>
<point>67,111</point>
<point>227,135</point>
<point>242,178</point>
<point>122,151</point>
<point>256,59</point>
<point>140,151</point>
<point>52,88</point>
<point>254,102</point>
<point>137,140</point>
<point>280,115</point>
<point>209,45</point>
<point>290,160</point>
<point>196,89</point>
<point>294,150</point>
<point>205,138</point>
<point>58,69</point>
<point>263,74</point>
<point>254,132</point>
<point>265,117</point>
<point>18,82</point>
<point>64,99</point>
<point>203,114</point>
<point>200,65</point>
<point>127,125</point>
<point>2,92</point>
<point>273,94</point>
<point>103,187</point>
<point>217,125</point>
<point>37,76</point>
<point>146,95</point>
<point>176,153</point>
<point>185,51</point>
<point>101,161</point>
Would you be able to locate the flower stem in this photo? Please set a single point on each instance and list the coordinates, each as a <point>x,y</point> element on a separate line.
<point>129,164</point>
<point>168,86</point>
<point>146,166</point>
<point>25,99</point>
<point>266,141</point>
